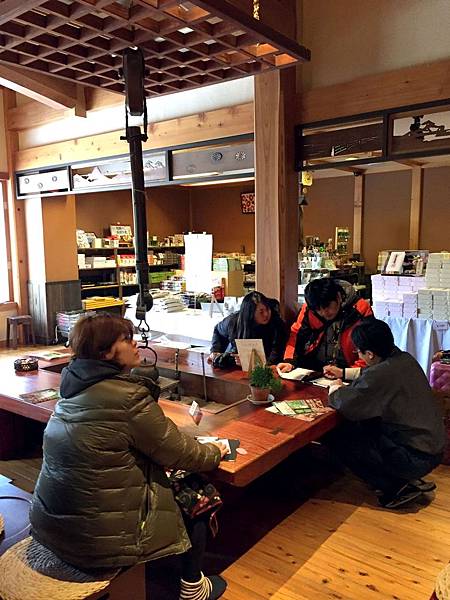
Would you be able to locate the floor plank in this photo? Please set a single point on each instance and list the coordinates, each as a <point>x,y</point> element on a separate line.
<point>309,531</point>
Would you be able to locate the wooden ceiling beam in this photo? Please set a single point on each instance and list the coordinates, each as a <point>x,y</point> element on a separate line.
<point>10,9</point>
<point>410,163</point>
<point>52,92</point>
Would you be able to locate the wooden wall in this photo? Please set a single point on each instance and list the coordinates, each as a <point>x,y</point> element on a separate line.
<point>386,211</point>
<point>330,205</point>
<point>217,210</point>
<point>171,209</point>
<point>167,210</point>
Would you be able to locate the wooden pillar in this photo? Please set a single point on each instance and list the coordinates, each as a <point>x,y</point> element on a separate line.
<point>358,211</point>
<point>416,207</point>
<point>53,283</point>
<point>276,212</point>
<point>16,215</point>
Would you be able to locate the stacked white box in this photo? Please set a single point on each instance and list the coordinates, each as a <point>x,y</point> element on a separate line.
<point>440,304</point>
<point>391,287</point>
<point>395,308</point>
<point>380,309</point>
<point>377,282</point>
<point>410,300</point>
<point>434,267</point>
<point>445,271</point>
<point>425,303</point>
<point>417,283</point>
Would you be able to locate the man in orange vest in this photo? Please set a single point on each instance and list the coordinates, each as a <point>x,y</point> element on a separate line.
<point>320,337</point>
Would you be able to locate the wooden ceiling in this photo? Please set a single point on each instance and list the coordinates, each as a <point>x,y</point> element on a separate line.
<point>185,44</point>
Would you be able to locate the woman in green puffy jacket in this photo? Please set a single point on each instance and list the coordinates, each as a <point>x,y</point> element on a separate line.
<point>102,498</point>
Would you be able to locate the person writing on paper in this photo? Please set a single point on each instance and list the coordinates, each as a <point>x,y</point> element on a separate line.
<point>394,430</point>
<point>258,318</point>
<point>320,338</point>
<point>102,499</point>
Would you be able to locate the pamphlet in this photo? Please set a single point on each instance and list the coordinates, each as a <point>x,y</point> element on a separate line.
<point>306,409</point>
<point>325,382</point>
<point>231,445</point>
<point>245,349</point>
<point>49,355</point>
<point>296,374</point>
<point>41,396</point>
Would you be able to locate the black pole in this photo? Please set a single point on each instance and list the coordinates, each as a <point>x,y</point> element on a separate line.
<point>140,221</point>
<point>134,73</point>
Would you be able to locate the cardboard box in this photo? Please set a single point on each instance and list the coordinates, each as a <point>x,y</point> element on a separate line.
<point>233,282</point>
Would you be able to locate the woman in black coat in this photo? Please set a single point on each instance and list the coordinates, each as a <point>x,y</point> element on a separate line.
<point>258,318</point>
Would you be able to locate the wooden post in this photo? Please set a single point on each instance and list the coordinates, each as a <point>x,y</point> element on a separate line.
<point>416,207</point>
<point>276,212</point>
<point>358,210</point>
<point>16,215</point>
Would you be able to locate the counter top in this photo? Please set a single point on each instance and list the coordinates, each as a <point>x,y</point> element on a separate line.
<point>267,438</point>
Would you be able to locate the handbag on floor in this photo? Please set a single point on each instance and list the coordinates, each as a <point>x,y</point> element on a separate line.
<point>196,496</point>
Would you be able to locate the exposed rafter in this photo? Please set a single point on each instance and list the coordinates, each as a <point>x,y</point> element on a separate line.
<point>185,44</point>
<point>54,93</point>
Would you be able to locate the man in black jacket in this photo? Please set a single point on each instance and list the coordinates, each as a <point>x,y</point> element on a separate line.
<point>394,433</point>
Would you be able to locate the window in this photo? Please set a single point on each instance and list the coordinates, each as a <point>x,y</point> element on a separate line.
<point>4,274</point>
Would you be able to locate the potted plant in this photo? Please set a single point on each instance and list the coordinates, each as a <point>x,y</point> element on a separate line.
<point>263,382</point>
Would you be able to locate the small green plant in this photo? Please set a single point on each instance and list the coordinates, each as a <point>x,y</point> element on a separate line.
<point>263,377</point>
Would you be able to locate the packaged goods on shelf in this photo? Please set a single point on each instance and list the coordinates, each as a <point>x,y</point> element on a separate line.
<point>226,264</point>
<point>66,320</point>
<point>95,302</point>
<point>126,260</point>
<point>175,283</point>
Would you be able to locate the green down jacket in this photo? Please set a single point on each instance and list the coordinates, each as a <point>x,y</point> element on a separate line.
<point>102,498</point>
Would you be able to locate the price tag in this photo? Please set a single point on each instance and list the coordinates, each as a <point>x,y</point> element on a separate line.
<point>196,412</point>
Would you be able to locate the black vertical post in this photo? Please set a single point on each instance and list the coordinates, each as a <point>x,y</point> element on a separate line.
<point>134,74</point>
<point>139,218</point>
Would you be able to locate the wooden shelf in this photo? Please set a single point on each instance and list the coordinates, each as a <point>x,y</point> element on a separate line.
<point>97,269</point>
<point>99,287</point>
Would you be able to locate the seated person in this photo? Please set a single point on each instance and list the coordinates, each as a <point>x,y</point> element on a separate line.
<point>321,334</point>
<point>258,318</point>
<point>102,499</point>
<point>394,433</point>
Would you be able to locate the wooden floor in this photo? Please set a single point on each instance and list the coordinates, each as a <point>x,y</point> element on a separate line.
<point>309,531</point>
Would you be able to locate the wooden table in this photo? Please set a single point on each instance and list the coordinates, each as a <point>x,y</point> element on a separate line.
<point>266,437</point>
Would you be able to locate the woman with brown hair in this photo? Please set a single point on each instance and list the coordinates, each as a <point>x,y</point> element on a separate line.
<point>102,498</point>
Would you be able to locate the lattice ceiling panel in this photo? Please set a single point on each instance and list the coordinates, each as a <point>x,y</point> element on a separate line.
<point>185,44</point>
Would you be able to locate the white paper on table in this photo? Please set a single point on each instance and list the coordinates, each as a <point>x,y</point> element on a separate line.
<point>296,374</point>
<point>325,382</point>
<point>198,262</point>
<point>245,347</point>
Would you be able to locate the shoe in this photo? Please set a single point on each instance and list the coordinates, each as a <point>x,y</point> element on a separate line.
<point>405,495</point>
<point>422,485</point>
<point>206,588</point>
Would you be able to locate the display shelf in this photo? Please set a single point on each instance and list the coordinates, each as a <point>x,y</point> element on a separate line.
<point>99,287</point>
<point>96,268</point>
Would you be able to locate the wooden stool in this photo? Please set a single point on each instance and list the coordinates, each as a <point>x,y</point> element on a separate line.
<point>12,324</point>
<point>31,571</point>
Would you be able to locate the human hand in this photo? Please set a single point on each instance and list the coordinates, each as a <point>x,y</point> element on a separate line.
<point>437,356</point>
<point>237,360</point>
<point>285,367</point>
<point>337,383</point>
<point>223,449</point>
<point>213,356</point>
<point>332,372</point>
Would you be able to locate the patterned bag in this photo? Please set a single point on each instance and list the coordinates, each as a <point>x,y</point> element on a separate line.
<point>196,496</point>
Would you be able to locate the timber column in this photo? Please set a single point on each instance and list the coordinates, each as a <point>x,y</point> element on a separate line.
<point>276,207</point>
